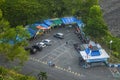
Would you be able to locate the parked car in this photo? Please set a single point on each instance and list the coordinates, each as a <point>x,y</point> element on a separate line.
<point>59,35</point>
<point>77,47</point>
<point>47,42</point>
<point>39,48</point>
<point>32,50</point>
<point>41,44</point>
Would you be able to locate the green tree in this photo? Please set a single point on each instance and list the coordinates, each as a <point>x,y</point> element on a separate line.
<point>86,5</point>
<point>22,12</point>
<point>6,74</point>
<point>0,13</point>
<point>3,73</point>
<point>12,41</point>
<point>55,8</point>
<point>72,7</point>
<point>1,2</point>
<point>42,76</point>
<point>3,23</point>
<point>95,26</point>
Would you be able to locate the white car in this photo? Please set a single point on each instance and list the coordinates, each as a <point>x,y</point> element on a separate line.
<point>47,42</point>
<point>59,35</point>
<point>41,44</point>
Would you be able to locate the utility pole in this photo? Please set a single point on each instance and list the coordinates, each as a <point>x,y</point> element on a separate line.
<point>111,46</point>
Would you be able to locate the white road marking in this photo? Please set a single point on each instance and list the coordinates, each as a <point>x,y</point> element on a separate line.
<point>58,56</point>
<point>51,51</point>
<point>114,72</point>
<point>57,67</point>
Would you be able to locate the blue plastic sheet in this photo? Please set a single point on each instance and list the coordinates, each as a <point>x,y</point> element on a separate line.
<point>87,50</point>
<point>95,53</point>
<point>92,53</point>
<point>69,20</point>
<point>48,22</point>
<point>44,25</point>
<point>32,32</point>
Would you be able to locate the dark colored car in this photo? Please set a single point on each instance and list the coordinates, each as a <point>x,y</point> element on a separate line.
<point>77,47</point>
<point>59,35</point>
<point>39,48</point>
<point>31,49</point>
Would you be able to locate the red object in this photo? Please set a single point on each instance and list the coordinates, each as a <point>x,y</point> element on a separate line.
<point>90,46</point>
<point>40,27</point>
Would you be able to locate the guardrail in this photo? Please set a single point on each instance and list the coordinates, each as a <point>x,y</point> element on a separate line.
<point>114,65</point>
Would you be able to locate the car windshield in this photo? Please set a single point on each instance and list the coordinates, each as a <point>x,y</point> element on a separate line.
<point>46,40</point>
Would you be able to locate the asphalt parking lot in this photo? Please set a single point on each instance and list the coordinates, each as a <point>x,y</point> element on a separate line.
<point>59,53</point>
<point>65,56</point>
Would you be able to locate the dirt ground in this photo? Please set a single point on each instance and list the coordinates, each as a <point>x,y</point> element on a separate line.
<point>111,12</point>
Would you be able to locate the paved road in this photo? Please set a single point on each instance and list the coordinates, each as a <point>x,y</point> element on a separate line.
<point>65,58</point>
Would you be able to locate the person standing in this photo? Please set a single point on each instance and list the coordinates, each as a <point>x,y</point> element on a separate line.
<point>66,42</point>
<point>69,68</point>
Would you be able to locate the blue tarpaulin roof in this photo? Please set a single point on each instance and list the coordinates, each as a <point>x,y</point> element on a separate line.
<point>52,22</point>
<point>36,24</point>
<point>31,31</point>
<point>69,20</point>
<point>44,25</point>
<point>56,21</point>
<point>87,50</point>
<point>80,23</point>
<point>92,53</point>
<point>13,41</point>
<point>48,22</point>
<point>33,27</point>
<point>95,53</point>
<point>18,39</point>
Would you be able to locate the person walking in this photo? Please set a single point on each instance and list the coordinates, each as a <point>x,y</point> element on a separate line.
<point>69,68</point>
<point>66,42</point>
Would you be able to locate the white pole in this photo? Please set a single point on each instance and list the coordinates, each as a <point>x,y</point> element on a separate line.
<point>110,46</point>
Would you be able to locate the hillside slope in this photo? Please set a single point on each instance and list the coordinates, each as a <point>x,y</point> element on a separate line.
<point>111,11</point>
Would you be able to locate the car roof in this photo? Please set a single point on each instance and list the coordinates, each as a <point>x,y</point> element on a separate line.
<point>46,40</point>
<point>41,43</point>
<point>60,33</point>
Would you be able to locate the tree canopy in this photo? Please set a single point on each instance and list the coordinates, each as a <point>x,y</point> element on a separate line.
<point>23,12</point>
<point>12,41</point>
<point>6,74</point>
<point>96,26</point>
<point>87,4</point>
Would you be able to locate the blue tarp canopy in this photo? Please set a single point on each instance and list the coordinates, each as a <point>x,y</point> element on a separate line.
<point>31,31</point>
<point>34,27</point>
<point>18,39</point>
<point>87,50</point>
<point>92,53</point>
<point>12,41</point>
<point>44,25</point>
<point>69,20</point>
<point>36,24</point>
<point>56,21</point>
<point>80,23</point>
<point>95,53</point>
<point>48,22</point>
